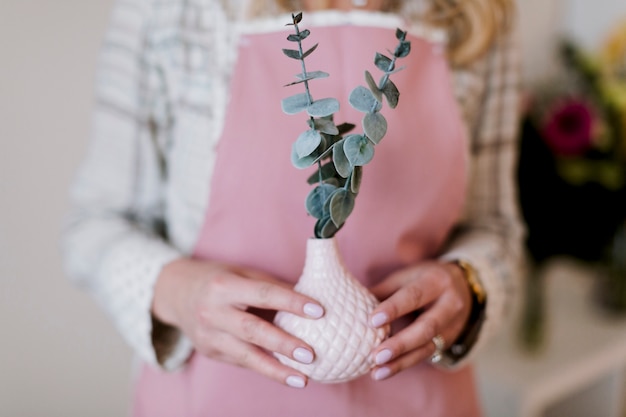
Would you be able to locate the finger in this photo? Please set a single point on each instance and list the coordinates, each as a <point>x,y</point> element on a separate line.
<point>270,296</point>
<point>403,362</point>
<point>259,276</point>
<point>417,335</point>
<point>256,331</point>
<point>415,295</point>
<point>392,283</point>
<point>413,357</point>
<point>237,352</point>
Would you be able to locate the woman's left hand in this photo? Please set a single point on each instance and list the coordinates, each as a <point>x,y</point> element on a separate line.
<point>439,291</point>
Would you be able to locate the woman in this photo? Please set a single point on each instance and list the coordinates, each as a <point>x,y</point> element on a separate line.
<point>186,230</point>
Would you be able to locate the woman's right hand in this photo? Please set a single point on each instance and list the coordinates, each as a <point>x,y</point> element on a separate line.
<point>210,303</point>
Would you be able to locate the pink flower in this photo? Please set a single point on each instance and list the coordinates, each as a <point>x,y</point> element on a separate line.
<point>568,128</point>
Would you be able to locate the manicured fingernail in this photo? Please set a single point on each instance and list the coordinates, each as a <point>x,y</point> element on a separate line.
<point>381,373</point>
<point>303,355</point>
<point>383,357</point>
<point>295,381</point>
<point>313,310</point>
<point>379,319</point>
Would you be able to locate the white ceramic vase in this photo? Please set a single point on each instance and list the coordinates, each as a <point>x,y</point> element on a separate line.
<point>342,339</point>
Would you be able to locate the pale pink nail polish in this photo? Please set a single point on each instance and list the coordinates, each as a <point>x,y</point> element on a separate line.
<point>313,310</point>
<point>295,381</point>
<point>381,373</point>
<point>303,355</point>
<point>383,357</point>
<point>379,319</point>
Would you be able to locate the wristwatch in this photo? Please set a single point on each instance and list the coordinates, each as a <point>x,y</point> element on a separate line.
<point>468,336</point>
<point>478,291</point>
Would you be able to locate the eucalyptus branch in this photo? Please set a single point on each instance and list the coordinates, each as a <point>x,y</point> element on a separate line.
<point>338,181</point>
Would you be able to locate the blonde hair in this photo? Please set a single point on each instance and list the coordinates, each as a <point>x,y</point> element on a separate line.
<point>472,25</point>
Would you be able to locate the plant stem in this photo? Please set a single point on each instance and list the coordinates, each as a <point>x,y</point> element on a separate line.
<point>304,73</point>
<point>325,154</point>
<point>319,172</point>
<point>384,80</point>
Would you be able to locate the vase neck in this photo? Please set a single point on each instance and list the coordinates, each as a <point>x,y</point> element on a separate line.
<point>322,255</point>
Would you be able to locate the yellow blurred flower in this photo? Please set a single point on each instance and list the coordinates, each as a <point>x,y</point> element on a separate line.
<point>614,92</point>
<point>614,49</point>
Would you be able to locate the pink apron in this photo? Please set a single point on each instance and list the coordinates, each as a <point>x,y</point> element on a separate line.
<point>411,196</point>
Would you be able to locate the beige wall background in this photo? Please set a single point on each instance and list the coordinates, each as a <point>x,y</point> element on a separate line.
<point>59,356</point>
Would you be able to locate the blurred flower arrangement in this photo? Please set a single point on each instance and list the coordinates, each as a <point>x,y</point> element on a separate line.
<point>573,159</point>
<point>572,169</point>
<point>582,114</point>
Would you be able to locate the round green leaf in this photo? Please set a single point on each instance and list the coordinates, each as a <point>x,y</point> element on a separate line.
<point>302,163</point>
<point>295,104</point>
<point>310,51</point>
<point>299,37</point>
<point>325,228</point>
<point>316,200</point>
<point>362,99</point>
<point>345,128</point>
<point>326,126</point>
<point>292,53</point>
<point>311,75</point>
<point>341,205</point>
<point>374,126</point>
<point>355,179</point>
<point>383,62</point>
<point>342,165</point>
<point>307,142</point>
<point>324,107</point>
<point>403,49</point>
<point>391,94</point>
<point>359,150</point>
<point>373,87</point>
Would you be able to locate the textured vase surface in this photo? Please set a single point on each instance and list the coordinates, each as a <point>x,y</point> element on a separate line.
<point>342,339</point>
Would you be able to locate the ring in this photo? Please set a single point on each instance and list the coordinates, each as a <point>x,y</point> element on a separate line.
<point>440,344</point>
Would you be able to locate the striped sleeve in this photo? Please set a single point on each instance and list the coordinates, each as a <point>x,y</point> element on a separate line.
<point>113,241</point>
<point>490,237</point>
